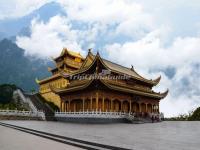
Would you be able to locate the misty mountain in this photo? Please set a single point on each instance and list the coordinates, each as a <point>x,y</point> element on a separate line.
<point>16,68</point>
<point>20,26</point>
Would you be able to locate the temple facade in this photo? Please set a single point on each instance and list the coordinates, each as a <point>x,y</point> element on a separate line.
<point>93,83</point>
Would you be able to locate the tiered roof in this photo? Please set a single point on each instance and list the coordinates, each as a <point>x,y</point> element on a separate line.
<point>115,68</point>
<point>66,51</point>
<point>58,64</point>
<point>83,84</point>
<point>91,59</point>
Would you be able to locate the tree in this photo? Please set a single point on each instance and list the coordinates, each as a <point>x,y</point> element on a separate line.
<point>195,115</point>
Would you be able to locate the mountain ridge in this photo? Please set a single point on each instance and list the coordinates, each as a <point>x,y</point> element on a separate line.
<point>16,68</point>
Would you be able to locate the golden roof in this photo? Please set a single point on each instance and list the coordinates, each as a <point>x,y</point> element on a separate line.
<point>80,85</point>
<point>47,79</point>
<point>71,53</point>
<point>90,59</point>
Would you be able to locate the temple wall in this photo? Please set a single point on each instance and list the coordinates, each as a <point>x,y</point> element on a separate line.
<point>46,92</point>
<point>52,97</point>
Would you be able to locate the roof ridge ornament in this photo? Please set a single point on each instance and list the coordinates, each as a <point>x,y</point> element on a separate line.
<point>89,50</point>
<point>98,53</point>
<point>64,50</point>
<point>37,81</point>
<point>132,67</point>
<point>157,80</point>
<point>164,94</point>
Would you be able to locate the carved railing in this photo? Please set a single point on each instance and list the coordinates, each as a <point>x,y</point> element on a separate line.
<point>94,114</point>
<point>99,114</point>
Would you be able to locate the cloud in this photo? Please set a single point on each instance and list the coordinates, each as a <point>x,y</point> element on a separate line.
<point>47,39</point>
<point>19,8</point>
<point>127,16</point>
<point>94,27</point>
<point>101,11</point>
<point>183,50</point>
<point>152,58</point>
<point>158,38</point>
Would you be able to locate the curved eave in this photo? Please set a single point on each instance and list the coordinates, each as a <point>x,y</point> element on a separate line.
<point>138,74</point>
<point>37,81</point>
<point>70,89</point>
<point>164,94</point>
<point>118,88</point>
<point>152,82</point>
<point>156,81</point>
<point>122,73</point>
<point>82,70</point>
<point>47,79</point>
<point>112,87</point>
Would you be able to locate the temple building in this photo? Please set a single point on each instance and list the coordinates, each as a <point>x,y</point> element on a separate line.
<point>96,84</point>
<point>68,61</point>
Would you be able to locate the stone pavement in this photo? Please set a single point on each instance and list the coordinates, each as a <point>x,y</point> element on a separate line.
<point>11,139</point>
<point>174,135</point>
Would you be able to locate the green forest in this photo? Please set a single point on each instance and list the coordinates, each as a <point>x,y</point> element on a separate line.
<point>6,97</point>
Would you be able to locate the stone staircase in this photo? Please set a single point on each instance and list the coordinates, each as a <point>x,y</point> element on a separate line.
<point>41,106</point>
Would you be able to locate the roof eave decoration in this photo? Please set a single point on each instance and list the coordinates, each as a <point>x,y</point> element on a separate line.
<point>157,80</point>
<point>164,94</point>
<point>83,86</point>
<point>63,90</point>
<point>142,79</point>
<point>37,81</point>
<point>47,79</point>
<point>153,82</point>
<point>157,95</point>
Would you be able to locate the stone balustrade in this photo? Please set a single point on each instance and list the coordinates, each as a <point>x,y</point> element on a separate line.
<point>22,113</point>
<point>93,114</point>
<point>100,114</point>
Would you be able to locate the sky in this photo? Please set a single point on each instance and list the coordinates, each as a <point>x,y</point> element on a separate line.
<point>157,37</point>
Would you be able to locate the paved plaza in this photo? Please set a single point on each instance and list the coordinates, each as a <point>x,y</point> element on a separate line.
<point>152,136</point>
<point>11,139</point>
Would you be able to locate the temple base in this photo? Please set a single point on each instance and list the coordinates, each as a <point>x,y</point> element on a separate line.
<point>102,117</point>
<point>93,120</point>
